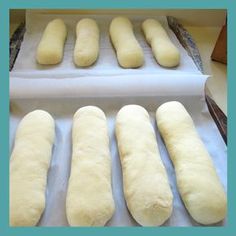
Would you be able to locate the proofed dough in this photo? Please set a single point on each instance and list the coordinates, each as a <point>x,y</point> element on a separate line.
<point>29,164</point>
<point>164,50</point>
<point>145,182</point>
<point>129,53</point>
<point>87,42</point>
<point>89,198</point>
<point>51,47</point>
<point>197,180</point>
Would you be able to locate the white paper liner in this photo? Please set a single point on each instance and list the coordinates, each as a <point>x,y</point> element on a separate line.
<point>63,109</point>
<point>125,85</point>
<point>27,67</point>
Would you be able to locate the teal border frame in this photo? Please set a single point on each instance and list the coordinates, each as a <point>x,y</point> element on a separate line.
<point>5,5</point>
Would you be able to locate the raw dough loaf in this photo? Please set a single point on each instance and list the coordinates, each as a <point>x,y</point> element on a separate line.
<point>29,166</point>
<point>164,50</point>
<point>87,42</point>
<point>129,53</point>
<point>145,182</point>
<point>51,46</point>
<point>197,180</point>
<point>89,198</point>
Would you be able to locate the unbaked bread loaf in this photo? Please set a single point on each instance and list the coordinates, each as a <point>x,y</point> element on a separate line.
<point>51,47</point>
<point>87,42</point>
<point>129,53</point>
<point>29,164</point>
<point>164,50</point>
<point>197,180</point>
<point>145,182</point>
<point>89,198</point>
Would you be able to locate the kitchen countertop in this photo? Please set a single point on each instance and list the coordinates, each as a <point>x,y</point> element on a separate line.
<point>205,38</point>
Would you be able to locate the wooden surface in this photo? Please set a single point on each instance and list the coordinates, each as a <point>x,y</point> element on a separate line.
<point>220,51</point>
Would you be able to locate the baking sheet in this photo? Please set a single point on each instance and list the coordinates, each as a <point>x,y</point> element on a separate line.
<point>26,66</point>
<point>62,109</point>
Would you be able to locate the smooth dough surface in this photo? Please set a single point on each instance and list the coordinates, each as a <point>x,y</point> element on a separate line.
<point>51,47</point>
<point>145,182</point>
<point>197,180</point>
<point>89,198</point>
<point>87,42</point>
<point>29,164</point>
<point>165,52</point>
<point>129,52</point>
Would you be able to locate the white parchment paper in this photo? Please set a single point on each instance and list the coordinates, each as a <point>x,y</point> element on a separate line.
<point>27,67</point>
<point>113,86</point>
<point>62,109</point>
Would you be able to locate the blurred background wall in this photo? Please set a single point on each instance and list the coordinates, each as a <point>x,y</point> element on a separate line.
<point>187,17</point>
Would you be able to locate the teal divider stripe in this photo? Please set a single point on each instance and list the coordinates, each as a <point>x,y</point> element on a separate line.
<point>118,4</point>
<point>231,113</point>
<point>4,116</point>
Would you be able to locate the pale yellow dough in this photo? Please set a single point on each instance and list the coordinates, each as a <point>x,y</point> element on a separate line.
<point>89,198</point>
<point>145,182</point>
<point>129,53</point>
<point>87,42</point>
<point>197,180</point>
<point>51,47</point>
<point>165,52</point>
<point>29,164</point>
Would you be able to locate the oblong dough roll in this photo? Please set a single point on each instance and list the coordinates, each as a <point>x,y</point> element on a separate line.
<point>165,52</point>
<point>87,42</point>
<point>197,180</point>
<point>145,182</point>
<point>89,198</point>
<point>29,164</point>
<point>129,53</point>
<point>51,47</point>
